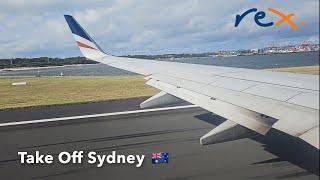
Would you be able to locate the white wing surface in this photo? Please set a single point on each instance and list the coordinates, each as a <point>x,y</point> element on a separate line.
<point>255,99</point>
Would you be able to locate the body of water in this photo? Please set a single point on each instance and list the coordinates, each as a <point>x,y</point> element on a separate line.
<point>251,62</point>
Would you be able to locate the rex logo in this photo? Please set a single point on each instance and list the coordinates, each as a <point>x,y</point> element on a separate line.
<point>283,18</point>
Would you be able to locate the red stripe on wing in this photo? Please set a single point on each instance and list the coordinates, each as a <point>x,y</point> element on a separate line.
<point>80,44</point>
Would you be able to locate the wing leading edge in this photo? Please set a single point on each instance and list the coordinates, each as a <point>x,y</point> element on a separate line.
<point>250,99</point>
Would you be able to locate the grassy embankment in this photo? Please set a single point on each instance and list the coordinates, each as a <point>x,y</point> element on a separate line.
<point>302,69</point>
<point>71,90</point>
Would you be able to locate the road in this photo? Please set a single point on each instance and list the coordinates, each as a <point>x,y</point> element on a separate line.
<point>276,156</point>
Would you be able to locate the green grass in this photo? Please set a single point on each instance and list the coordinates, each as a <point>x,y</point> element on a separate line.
<point>70,90</point>
<point>302,69</point>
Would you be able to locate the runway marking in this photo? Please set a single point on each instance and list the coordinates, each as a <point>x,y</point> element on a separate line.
<point>95,115</point>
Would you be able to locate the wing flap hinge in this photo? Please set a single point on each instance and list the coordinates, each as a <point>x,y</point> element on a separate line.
<point>227,131</point>
<point>160,99</point>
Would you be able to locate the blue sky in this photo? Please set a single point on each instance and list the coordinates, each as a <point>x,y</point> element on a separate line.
<point>37,28</point>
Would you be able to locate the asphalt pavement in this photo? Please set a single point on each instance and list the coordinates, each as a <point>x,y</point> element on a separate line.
<point>276,156</point>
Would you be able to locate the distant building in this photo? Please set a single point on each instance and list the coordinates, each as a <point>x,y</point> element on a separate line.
<point>254,51</point>
<point>261,51</point>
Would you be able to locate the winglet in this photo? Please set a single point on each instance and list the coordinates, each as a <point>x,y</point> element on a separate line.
<point>89,48</point>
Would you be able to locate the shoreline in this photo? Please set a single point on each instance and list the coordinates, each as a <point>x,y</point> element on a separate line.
<point>44,67</point>
<point>292,69</point>
<point>266,54</point>
<point>159,59</point>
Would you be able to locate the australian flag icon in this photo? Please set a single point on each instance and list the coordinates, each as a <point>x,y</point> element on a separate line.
<point>159,158</point>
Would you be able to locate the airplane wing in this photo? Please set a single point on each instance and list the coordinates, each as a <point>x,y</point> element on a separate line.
<point>249,99</point>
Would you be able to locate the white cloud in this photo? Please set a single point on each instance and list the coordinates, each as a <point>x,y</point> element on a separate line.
<point>37,27</point>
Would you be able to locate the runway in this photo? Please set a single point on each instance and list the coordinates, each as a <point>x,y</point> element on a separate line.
<point>176,131</point>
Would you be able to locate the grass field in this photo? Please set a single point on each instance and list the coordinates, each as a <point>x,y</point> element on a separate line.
<point>71,90</point>
<point>302,69</point>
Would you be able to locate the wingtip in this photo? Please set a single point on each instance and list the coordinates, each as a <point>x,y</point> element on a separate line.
<point>67,15</point>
